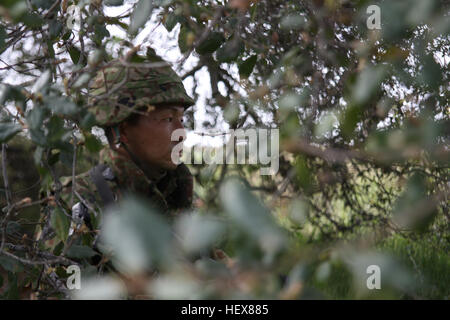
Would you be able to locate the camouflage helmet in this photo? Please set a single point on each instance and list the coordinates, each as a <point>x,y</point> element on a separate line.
<point>119,89</point>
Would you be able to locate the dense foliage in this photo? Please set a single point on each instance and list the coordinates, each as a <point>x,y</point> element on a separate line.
<point>363,116</point>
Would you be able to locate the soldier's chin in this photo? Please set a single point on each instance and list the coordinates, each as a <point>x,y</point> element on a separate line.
<point>169,165</point>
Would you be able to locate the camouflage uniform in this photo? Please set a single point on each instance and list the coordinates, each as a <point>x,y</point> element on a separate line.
<point>118,90</point>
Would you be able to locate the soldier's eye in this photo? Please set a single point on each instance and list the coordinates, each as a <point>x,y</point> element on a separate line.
<point>169,119</point>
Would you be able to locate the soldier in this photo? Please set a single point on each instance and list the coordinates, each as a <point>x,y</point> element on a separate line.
<point>139,102</point>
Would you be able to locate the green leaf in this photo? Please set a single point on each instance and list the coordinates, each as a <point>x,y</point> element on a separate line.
<point>350,119</point>
<point>211,43</point>
<point>246,66</point>
<point>100,33</point>
<point>66,37</point>
<point>431,73</point>
<point>80,252</point>
<point>93,144</point>
<point>60,223</point>
<point>54,27</point>
<point>368,83</point>
<point>8,130</point>
<point>138,236</point>
<point>38,137</point>
<point>230,50</point>
<point>42,82</point>
<point>43,4</point>
<point>293,22</point>
<point>291,100</point>
<point>37,156</point>
<point>75,54</point>
<point>303,173</point>
<point>10,264</point>
<point>11,3</point>
<point>33,20</point>
<point>171,21</point>
<point>12,292</point>
<point>252,217</point>
<point>8,92</point>
<point>82,81</point>
<point>88,121</point>
<point>59,248</point>
<point>140,15</point>
<point>12,227</point>
<point>3,36</point>
<point>183,39</point>
<point>414,209</point>
<point>60,105</point>
<point>113,3</point>
<point>198,232</point>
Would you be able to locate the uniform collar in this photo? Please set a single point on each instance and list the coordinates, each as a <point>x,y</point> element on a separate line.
<point>128,173</point>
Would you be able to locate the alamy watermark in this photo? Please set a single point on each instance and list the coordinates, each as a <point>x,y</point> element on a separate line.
<point>374,20</point>
<point>249,146</point>
<point>374,280</point>
<point>74,280</point>
<point>73,16</point>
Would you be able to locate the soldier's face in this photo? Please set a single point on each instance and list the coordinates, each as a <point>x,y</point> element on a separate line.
<point>150,138</point>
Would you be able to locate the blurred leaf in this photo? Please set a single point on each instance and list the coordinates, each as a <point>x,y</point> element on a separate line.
<point>350,119</point>
<point>8,130</point>
<point>60,223</point>
<point>75,54</point>
<point>3,36</point>
<point>88,121</point>
<point>299,212</point>
<point>176,287</point>
<point>368,83</point>
<point>198,233</point>
<point>326,125</point>
<point>420,11</point>
<point>10,264</point>
<point>43,81</point>
<point>171,21</point>
<point>8,92</point>
<point>100,33</point>
<point>293,22</point>
<point>289,101</point>
<point>304,176</point>
<point>13,227</point>
<point>79,252</point>
<point>32,20</point>
<point>185,39</point>
<point>139,237</point>
<point>230,50</point>
<point>211,43</point>
<point>246,67</point>
<point>43,4</point>
<point>431,73</point>
<point>113,3</point>
<point>82,81</point>
<point>60,105</point>
<point>100,288</point>
<point>323,271</point>
<point>252,217</point>
<point>92,143</point>
<point>140,15</point>
<point>414,210</point>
